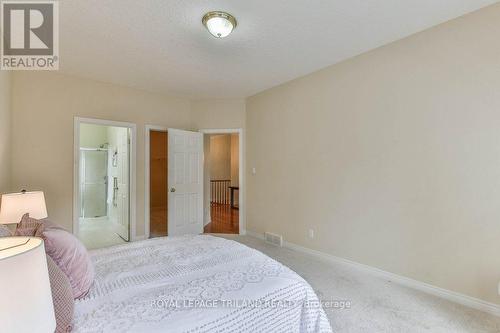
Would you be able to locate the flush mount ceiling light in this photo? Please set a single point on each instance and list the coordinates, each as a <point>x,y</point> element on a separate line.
<point>219,24</point>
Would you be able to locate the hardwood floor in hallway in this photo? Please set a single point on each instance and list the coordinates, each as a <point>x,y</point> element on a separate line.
<point>158,219</point>
<point>225,220</point>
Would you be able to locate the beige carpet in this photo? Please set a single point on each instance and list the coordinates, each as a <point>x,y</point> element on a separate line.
<point>377,305</point>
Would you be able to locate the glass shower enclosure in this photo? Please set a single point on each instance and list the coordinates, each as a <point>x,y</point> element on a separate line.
<point>94,182</point>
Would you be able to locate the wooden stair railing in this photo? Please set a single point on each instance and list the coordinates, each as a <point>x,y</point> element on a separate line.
<point>219,191</point>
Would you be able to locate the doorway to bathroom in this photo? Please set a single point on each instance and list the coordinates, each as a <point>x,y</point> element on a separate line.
<point>103,183</point>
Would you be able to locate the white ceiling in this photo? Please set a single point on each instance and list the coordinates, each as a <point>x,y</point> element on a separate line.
<point>161,45</point>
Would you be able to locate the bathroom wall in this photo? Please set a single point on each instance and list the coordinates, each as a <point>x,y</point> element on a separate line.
<point>93,136</point>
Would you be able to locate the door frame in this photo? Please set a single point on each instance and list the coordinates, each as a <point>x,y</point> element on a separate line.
<point>147,176</point>
<point>241,194</point>
<point>241,171</point>
<point>132,170</point>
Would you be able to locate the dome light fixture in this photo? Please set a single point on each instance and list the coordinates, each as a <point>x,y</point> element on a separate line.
<point>219,24</point>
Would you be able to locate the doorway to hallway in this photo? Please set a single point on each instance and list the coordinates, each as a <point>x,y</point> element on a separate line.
<point>222,183</point>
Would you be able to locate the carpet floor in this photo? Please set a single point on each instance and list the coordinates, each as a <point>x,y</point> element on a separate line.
<point>377,305</point>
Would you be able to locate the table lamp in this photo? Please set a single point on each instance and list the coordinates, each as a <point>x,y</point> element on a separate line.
<point>26,299</point>
<point>15,205</point>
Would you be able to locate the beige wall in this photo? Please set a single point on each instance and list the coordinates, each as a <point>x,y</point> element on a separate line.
<point>44,106</point>
<point>227,113</point>
<point>392,157</point>
<point>5,131</point>
<point>206,180</point>
<point>235,159</point>
<point>220,157</point>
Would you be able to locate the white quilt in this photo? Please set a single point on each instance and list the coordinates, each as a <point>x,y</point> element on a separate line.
<point>195,284</point>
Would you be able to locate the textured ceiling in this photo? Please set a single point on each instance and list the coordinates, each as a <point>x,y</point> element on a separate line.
<point>161,45</point>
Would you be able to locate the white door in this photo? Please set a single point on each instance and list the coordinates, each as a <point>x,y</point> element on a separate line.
<point>185,182</point>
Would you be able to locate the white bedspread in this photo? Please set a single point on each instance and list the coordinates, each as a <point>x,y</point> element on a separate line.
<point>195,284</point>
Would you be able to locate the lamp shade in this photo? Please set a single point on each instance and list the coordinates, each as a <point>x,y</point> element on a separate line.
<point>26,299</point>
<point>15,205</point>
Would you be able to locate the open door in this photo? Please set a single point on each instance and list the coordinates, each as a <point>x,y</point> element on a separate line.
<point>185,182</point>
<point>121,183</point>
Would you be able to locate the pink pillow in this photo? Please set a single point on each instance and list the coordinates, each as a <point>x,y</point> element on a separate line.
<point>62,297</point>
<point>29,227</point>
<point>72,258</point>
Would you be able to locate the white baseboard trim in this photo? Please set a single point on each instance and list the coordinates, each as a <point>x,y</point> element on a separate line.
<point>449,295</point>
<point>139,238</point>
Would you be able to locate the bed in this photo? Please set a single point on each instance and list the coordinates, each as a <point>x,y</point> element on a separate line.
<point>196,283</point>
